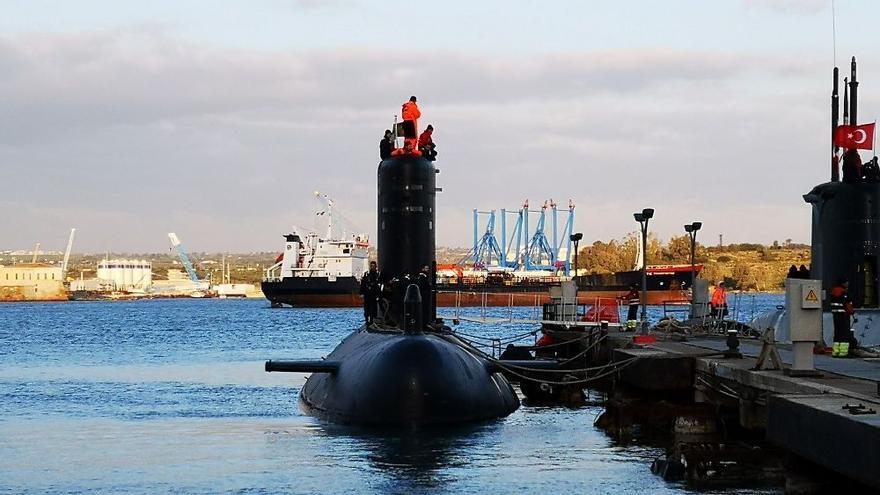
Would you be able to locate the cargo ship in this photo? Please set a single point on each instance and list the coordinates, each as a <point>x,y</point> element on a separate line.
<point>457,286</point>
<point>316,271</point>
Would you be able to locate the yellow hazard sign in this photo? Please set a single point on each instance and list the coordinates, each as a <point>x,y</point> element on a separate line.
<point>811,293</point>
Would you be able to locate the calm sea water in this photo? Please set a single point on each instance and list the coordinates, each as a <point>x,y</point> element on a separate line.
<point>170,396</point>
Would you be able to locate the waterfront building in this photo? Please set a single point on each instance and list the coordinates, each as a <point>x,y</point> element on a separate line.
<point>32,282</point>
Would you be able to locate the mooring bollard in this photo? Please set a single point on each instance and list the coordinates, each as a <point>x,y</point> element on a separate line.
<point>732,351</point>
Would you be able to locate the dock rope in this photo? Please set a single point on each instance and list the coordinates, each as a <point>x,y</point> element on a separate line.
<point>519,371</point>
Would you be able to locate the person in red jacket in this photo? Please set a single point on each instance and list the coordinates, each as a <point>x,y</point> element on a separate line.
<point>426,144</point>
<point>410,114</point>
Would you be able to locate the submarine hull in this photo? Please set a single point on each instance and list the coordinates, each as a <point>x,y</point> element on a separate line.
<point>395,379</point>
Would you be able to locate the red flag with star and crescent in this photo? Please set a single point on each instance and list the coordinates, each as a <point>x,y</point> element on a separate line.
<point>855,136</point>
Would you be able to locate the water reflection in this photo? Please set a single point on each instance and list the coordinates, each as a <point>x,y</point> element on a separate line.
<point>416,458</point>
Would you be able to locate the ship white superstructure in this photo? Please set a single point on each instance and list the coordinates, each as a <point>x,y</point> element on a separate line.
<point>310,255</point>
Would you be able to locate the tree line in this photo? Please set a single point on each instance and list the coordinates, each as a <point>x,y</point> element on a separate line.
<point>747,266</point>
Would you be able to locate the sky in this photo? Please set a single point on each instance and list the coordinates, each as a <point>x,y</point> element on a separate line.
<point>218,119</point>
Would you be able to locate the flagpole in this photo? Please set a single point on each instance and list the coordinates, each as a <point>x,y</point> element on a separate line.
<point>834,33</point>
<point>874,141</point>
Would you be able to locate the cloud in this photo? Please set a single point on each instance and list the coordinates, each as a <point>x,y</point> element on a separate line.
<point>321,4</point>
<point>227,145</point>
<point>802,7</point>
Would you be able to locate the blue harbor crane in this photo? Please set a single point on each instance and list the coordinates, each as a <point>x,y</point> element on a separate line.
<point>530,250</point>
<point>184,258</point>
<point>567,231</point>
<point>539,254</point>
<point>486,247</point>
<point>517,234</point>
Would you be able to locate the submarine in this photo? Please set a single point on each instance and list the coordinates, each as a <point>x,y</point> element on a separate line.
<point>407,369</point>
<point>845,227</point>
<point>845,239</point>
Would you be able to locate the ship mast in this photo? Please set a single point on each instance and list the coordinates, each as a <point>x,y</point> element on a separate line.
<point>835,117</point>
<point>328,212</point>
<point>853,94</point>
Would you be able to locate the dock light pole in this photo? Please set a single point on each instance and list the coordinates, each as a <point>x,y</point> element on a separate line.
<point>643,217</point>
<point>575,238</point>
<point>692,229</point>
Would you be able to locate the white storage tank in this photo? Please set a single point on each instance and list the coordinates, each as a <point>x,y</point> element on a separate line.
<point>127,267</point>
<point>103,272</point>
<point>141,275</point>
<point>117,273</point>
<point>137,275</point>
<point>148,274</point>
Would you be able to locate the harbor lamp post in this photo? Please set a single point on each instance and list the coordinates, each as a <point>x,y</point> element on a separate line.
<point>575,238</point>
<point>692,229</point>
<point>643,217</point>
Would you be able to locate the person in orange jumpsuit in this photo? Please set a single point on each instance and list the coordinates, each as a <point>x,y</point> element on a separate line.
<point>410,114</point>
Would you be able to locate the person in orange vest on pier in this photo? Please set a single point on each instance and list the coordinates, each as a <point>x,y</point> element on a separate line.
<point>632,300</point>
<point>719,301</point>
<point>410,114</point>
<point>841,313</point>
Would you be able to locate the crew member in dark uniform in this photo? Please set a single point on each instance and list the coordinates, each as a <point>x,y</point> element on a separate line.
<point>871,170</point>
<point>852,166</point>
<point>424,282</point>
<point>841,310</point>
<point>804,272</point>
<point>386,145</point>
<point>632,300</point>
<point>371,288</point>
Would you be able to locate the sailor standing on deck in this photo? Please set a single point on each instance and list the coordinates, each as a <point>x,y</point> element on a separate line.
<point>423,280</point>
<point>371,290</point>
<point>386,145</point>
<point>410,114</point>
<point>841,310</point>
<point>632,300</point>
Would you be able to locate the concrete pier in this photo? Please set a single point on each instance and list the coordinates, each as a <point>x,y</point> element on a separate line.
<point>832,420</point>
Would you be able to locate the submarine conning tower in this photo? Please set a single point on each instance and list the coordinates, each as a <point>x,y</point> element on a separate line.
<point>406,230</point>
<point>846,214</point>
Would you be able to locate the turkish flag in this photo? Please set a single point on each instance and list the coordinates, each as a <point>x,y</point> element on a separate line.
<point>855,136</point>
